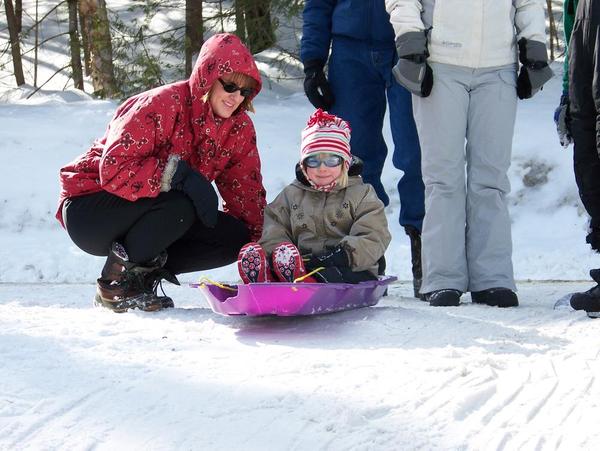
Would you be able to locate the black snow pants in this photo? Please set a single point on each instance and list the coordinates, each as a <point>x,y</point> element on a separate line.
<point>584,94</point>
<point>149,226</point>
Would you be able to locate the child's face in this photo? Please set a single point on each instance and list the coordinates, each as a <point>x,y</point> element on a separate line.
<point>323,175</point>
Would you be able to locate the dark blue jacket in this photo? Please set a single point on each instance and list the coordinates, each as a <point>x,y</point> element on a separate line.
<point>363,20</point>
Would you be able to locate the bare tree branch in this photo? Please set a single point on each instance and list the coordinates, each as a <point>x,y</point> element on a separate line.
<point>46,82</point>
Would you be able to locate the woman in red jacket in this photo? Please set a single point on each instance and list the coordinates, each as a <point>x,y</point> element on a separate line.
<point>142,194</point>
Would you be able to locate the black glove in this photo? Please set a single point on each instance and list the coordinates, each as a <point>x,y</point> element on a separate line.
<point>356,166</point>
<point>562,119</point>
<point>314,81</point>
<point>412,70</point>
<point>199,190</point>
<point>336,257</point>
<point>334,274</point>
<point>534,70</point>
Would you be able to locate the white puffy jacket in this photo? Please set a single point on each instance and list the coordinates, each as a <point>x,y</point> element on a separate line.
<point>471,33</point>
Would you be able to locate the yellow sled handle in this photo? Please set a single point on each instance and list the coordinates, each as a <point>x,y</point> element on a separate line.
<point>314,271</point>
<point>206,281</point>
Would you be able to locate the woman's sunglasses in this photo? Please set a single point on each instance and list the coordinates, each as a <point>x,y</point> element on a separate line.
<point>232,87</point>
<point>331,161</point>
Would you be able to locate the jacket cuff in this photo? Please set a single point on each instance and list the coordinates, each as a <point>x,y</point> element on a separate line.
<point>532,51</point>
<point>349,251</point>
<point>312,66</point>
<point>169,171</point>
<point>411,43</point>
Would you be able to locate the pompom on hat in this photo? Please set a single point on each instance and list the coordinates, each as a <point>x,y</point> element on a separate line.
<point>326,133</point>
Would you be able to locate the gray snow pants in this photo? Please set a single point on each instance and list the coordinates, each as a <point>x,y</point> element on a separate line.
<point>466,129</point>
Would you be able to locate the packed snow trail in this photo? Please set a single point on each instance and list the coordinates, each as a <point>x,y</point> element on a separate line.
<point>401,375</point>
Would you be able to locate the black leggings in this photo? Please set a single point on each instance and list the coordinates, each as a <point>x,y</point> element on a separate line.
<point>584,50</point>
<point>148,226</point>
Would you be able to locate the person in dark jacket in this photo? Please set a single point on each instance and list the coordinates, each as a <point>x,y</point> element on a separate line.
<point>143,195</point>
<point>356,40</point>
<point>583,126</point>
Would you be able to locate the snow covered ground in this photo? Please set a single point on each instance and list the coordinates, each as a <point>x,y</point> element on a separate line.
<point>400,375</point>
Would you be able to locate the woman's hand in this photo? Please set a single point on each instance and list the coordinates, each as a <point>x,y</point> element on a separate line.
<point>199,190</point>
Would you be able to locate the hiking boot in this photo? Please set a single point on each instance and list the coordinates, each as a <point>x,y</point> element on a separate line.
<point>125,285</point>
<point>495,297</point>
<point>443,298</point>
<point>287,263</point>
<point>589,300</point>
<point>123,296</point>
<point>415,259</point>
<point>252,264</point>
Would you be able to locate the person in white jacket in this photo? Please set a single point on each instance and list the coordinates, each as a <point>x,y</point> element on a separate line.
<point>459,59</point>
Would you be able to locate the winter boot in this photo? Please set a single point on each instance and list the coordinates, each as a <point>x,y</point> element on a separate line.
<point>153,279</point>
<point>443,298</point>
<point>252,264</point>
<point>288,264</point>
<point>415,254</point>
<point>126,285</point>
<point>589,300</point>
<point>495,297</point>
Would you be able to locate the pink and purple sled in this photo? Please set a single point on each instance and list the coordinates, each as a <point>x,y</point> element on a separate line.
<point>293,299</point>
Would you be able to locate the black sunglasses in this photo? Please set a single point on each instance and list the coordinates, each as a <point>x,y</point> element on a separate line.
<point>232,87</point>
<point>331,161</point>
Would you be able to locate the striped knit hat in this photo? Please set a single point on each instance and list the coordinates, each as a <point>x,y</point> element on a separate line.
<point>326,133</point>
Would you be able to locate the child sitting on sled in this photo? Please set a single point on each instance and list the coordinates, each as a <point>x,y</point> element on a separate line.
<point>325,226</point>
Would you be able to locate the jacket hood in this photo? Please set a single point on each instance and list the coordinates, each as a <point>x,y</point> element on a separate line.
<point>356,167</point>
<point>221,54</point>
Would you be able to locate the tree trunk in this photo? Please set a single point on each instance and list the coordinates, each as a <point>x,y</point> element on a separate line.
<point>19,15</point>
<point>553,33</point>
<point>240,21</point>
<point>36,44</point>
<point>194,32</point>
<point>101,55</point>
<point>85,21</point>
<point>14,42</point>
<point>259,25</point>
<point>99,46</point>
<point>221,16</point>
<point>75,47</point>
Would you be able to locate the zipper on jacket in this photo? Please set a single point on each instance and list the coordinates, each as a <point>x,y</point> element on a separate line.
<point>322,223</point>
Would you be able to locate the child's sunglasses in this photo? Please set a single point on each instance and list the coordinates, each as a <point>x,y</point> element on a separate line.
<point>232,87</point>
<point>331,161</point>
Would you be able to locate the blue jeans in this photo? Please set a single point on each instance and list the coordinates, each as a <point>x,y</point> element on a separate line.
<point>360,78</point>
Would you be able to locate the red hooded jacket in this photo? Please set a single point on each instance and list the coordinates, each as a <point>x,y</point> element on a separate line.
<point>153,129</point>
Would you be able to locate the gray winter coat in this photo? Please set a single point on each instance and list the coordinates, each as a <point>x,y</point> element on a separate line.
<point>315,221</point>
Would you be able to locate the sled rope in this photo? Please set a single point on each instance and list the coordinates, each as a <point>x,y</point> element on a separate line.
<point>314,271</point>
<point>205,280</point>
